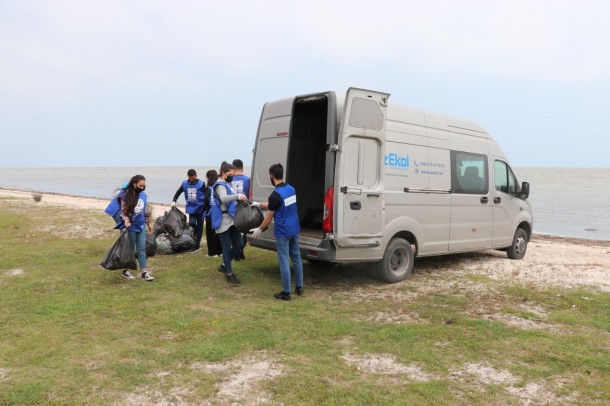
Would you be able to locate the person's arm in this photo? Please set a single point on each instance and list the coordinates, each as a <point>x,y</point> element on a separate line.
<point>206,199</point>
<point>177,194</point>
<point>226,198</point>
<point>274,203</point>
<point>124,214</point>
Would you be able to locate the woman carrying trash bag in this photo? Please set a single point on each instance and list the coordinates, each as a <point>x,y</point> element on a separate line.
<point>136,220</point>
<point>223,203</point>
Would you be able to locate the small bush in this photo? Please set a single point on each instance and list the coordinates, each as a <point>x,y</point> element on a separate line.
<point>37,197</point>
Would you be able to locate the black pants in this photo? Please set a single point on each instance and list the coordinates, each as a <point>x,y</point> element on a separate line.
<point>212,239</point>
<point>196,223</point>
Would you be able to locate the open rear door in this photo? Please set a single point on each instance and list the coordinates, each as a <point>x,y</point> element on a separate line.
<point>359,204</point>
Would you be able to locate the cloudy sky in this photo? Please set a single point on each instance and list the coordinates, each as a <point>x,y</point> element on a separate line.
<point>182,83</point>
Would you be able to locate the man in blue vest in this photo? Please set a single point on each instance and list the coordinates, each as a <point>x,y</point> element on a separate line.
<point>193,190</point>
<point>240,184</point>
<point>282,206</point>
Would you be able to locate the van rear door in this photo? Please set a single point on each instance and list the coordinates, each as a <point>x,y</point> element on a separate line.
<point>359,205</point>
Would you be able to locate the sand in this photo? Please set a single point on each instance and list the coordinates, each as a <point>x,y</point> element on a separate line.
<point>550,260</point>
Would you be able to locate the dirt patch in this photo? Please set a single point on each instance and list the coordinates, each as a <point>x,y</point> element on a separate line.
<point>386,364</point>
<point>3,373</point>
<point>168,335</point>
<point>396,317</point>
<point>174,396</point>
<point>240,379</point>
<point>524,324</point>
<point>478,376</point>
<point>14,272</point>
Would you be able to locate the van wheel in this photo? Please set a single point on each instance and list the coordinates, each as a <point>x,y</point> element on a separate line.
<point>519,246</point>
<point>397,262</point>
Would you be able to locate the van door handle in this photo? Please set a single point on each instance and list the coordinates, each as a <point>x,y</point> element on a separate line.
<point>355,205</point>
<point>484,200</point>
<point>497,199</point>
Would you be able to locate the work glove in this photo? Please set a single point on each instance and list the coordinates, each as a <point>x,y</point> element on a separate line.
<point>256,232</point>
<point>256,204</point>
<point>173,204</point>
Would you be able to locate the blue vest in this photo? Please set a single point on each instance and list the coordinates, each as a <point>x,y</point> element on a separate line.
<point>241,184</point>
<point>113,206</point>
<point>215,210</point>
<point>286,217</point>
<point>138,219</point>
<point>194,196</point>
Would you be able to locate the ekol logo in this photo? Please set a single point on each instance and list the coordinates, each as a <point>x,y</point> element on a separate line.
<point>396,161</point>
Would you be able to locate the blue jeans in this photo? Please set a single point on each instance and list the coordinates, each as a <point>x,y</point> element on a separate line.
<point>289,247</point>
<point>138,241</point>
<point>196,223</point>
<point>230,241</point>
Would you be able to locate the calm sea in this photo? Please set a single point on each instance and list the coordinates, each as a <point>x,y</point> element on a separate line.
<point>571,202</point>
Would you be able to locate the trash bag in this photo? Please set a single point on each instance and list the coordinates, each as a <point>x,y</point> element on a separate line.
<point>151,245</point>
<point>121,255</point>
<point>247,217</point>
<point>189,231</point>
<point>183,243</point>
<point>164,245</point>
<point>174,222</point>
<point>158,228</point>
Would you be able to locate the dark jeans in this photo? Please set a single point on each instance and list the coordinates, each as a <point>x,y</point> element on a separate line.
<point>212,239</point>
<point>231,244</point>
<point>196,223</point>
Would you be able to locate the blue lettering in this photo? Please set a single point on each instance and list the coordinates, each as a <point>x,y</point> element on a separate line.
<point>395,160</point>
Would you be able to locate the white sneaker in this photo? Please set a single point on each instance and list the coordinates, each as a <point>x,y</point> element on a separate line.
<point>127,274</point>
<point>147,277</point>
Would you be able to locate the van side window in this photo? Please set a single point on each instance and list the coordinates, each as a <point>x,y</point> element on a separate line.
<point>469,173</point>
<point>505,179</point>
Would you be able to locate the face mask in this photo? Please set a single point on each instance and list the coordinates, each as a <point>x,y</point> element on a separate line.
<point>229,179</point>
<point>271,180</point>
<point>141,189</point>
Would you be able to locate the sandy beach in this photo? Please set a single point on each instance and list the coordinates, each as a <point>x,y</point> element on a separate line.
<point>550,260</point>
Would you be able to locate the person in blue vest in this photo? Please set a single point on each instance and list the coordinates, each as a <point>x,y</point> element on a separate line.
<point>136,220</point>
<point>212,240</point>
<point>241,184</point>
<point>282,206</point>
<point>194,193</point>
<point>223,204</point>
<point>114,208</point>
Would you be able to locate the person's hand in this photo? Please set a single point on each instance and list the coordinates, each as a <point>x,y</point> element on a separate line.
<point>256,204</point>
<point>256,232</point>
<point>127,224</point>
<point>242,197</point>
<point>173,204</point>
<point>150,229</point>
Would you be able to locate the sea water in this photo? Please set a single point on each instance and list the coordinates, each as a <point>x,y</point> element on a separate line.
<point>570,202</point>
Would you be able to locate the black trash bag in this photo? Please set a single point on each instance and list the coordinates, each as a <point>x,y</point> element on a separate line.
<point>174,222</point>
<point>183,243</point>
<point>189,231</point>
<point>164,245</point>
<point>158,228</point>
<point>247,217</point>
<point>121,255</point>
<point>151,245</point>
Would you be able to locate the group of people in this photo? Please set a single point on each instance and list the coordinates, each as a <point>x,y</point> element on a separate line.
<point>215,203</point>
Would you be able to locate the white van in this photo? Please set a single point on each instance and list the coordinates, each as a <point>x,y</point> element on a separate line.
<point>385,183</point>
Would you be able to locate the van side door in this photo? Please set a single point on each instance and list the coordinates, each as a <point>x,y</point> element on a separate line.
<point>506,204</point>
<point>359,189</point>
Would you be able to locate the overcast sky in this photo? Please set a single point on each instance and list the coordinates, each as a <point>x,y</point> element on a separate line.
<point>182,83</point>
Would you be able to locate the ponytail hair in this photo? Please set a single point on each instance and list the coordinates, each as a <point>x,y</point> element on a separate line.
<point>212,176</point>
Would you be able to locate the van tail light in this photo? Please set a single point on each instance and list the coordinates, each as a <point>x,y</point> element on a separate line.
<point>327,220</point>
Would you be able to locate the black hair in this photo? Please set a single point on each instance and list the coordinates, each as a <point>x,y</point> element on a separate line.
<point>131,195</point>
<point>225,167</point>
<point>212,176</point>
<point>238,164</point>
<point>191,172</point>
<point>277,171</point>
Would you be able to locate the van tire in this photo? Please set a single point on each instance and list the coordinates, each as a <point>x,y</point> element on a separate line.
<point>519,245</point>
<point>397,262</point>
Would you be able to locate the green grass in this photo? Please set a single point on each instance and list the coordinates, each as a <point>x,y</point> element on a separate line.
<point>73,333</point>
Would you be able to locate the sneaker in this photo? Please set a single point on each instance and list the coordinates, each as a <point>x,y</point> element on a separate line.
<point>241,256</point>
<point>222,269</point>
<point>147,277</point>
<point>233,279</point>
<point>282,295</point>
<point>127,274</point>
<point>194,250</point>
<point>298,291</point>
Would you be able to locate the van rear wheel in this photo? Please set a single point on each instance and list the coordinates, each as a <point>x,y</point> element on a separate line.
<point>397,262</point>
<point>519,245</point>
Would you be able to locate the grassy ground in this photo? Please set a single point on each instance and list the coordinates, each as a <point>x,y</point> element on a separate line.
<point>73,333</point>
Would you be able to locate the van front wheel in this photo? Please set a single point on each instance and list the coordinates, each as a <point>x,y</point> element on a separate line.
<point>519,245</point>
<point>397,262</point>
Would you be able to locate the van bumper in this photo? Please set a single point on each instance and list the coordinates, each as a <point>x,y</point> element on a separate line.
<point>310,248</point>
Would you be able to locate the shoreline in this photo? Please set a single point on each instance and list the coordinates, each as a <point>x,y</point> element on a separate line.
<point>87,202</point>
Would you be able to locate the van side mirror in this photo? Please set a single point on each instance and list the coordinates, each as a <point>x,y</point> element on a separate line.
<point>525,190</point>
